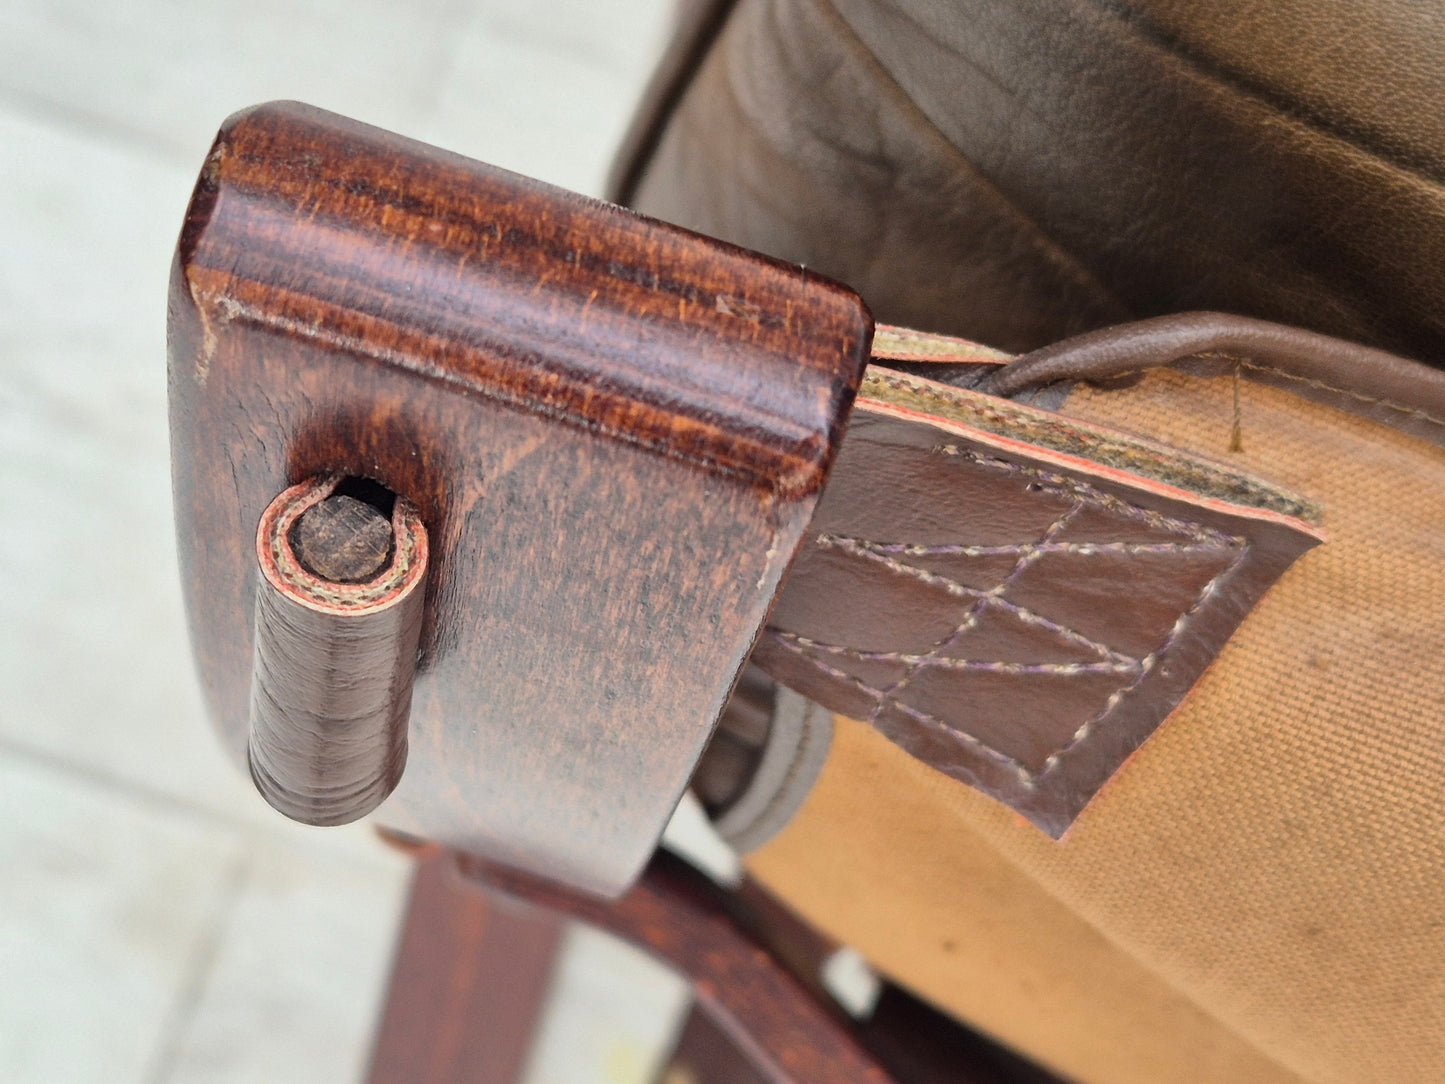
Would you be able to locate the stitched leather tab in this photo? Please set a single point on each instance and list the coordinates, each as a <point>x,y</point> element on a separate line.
<point>1017,598</point>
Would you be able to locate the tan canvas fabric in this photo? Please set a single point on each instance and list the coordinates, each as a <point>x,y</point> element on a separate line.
<point>1259,892</point>
<point>885,856</point>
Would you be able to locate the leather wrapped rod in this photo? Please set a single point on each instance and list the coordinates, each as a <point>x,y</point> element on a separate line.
<point>338,617</point>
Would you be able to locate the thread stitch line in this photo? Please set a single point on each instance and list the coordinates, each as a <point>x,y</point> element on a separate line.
<point>1124,665</point>
<point>878,694</point>
<point>1086,549</point>
<point>1201,539</point>
<point>1055,758</point>
<point>1083,491</point>
<point>1349,393</point>
<point>1358,396</point>
<point>991,597</point>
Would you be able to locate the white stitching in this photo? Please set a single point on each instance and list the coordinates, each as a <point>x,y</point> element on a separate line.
<point>1120,664</point>
<point>1358,396</point>
<point>1054,758</point>
<point>991,597</point>
<point>1202,539</point>
<point>1349,393</point>
<point>1072,487</point>
<point>1086,549</point>
<point>878,694</point>
<point>985,599</point>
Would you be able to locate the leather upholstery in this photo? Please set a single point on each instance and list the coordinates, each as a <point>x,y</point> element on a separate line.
<point>1019,172</point>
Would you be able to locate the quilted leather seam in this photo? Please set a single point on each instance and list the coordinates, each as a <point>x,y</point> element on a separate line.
<point>1121,664</point>
<point>1200,539</point>
<point>909,549</point>
<point>1055,758</point>
<point>989,751</point>
<point>991,597</point>
<point>1061,485</point>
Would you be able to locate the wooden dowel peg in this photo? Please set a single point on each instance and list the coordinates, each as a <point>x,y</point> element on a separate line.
<point>338,618</point>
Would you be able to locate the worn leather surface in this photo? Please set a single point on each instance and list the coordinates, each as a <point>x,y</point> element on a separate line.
<point>1018,600</point>
<point>1021,172</point>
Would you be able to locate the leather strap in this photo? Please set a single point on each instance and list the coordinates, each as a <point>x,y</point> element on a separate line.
<point>1359,379</point>
<point>1019,599</point>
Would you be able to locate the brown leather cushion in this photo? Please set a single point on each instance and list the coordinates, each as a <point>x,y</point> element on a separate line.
<point>1016,172</point>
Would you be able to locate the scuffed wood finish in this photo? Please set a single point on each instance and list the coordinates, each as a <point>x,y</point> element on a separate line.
<point>614,430</point>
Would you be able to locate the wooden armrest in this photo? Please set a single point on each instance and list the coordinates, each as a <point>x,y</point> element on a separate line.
<point>614,431</point>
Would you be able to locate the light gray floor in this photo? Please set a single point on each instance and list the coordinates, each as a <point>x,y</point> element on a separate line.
<point>157,922</point>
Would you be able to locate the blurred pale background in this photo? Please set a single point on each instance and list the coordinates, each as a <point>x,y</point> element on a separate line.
<point>158,923</point>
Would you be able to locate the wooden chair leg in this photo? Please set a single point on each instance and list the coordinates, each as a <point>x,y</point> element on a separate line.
<point>468,986</point>
<point>707,1051</point>
<point>474,964</point>
<point>769,1014</point>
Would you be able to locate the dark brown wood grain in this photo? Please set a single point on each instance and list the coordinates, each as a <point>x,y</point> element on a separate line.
<point>912,1041</point>
<point>707,1053</point>
<point>615,432</point>
<point>465,938</point>
<point>468,986</point>
<point>782,1031</point>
